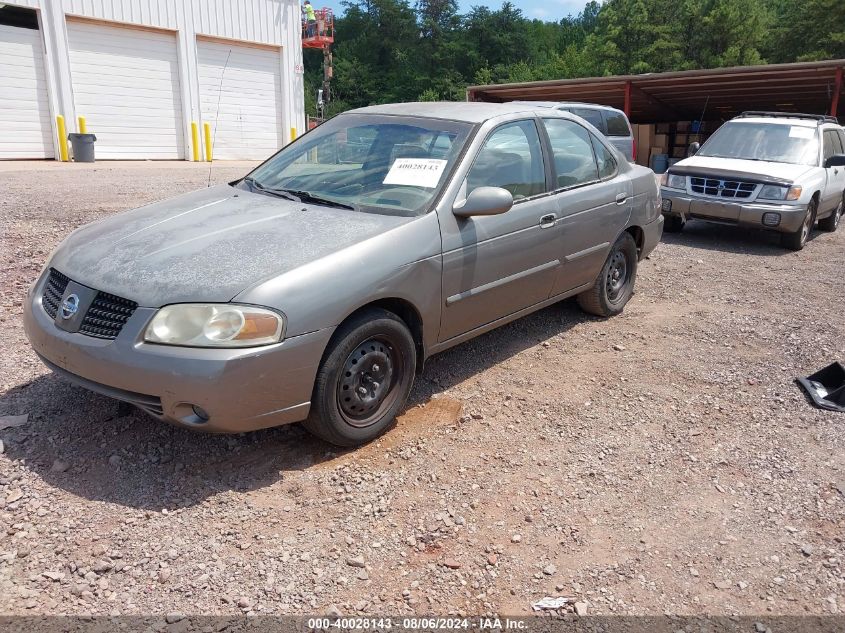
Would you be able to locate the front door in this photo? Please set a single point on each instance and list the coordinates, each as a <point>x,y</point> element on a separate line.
<point>494,266</point>
<point>832,145</point>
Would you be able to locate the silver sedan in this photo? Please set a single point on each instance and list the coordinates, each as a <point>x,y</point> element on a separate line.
<point>314,288</point>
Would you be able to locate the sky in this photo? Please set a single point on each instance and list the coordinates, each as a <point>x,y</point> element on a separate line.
<point>549,10</point>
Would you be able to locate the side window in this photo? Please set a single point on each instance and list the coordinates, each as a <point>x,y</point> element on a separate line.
<point>511,158</point>
<point>617,124</point>
<point>605,160</point>
<point>842,139</point>
<point>831,144</point>
<point>593,117</point>
<point>573,153</point>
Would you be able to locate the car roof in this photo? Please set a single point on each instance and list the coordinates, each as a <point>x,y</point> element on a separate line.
<point>468,111</point>
<point>776,120</point>
<point>568,104</point>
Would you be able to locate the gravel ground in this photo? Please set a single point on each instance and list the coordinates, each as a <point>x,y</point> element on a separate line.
<point>660,461</point>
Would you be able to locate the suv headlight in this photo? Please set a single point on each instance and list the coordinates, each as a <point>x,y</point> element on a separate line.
<point>215,325</point>
<point>673,181</point>
<point>778,192</point>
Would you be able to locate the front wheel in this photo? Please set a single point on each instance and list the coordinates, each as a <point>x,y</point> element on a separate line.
<point>615,283</point>
<point>364,380</point>
<point>831,222</point>
<point>796,240</point>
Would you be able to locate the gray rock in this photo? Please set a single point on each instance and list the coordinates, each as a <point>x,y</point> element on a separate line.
<point>170,618</point>
<point>244,602</point>
<point>516,538</point>
<point>59,466</point>
<point>334,612</point>
<point>550,570</point>
<point>356,561</point>
<point>581,608</point>
<point>807,549</point>
<point>114,460</point>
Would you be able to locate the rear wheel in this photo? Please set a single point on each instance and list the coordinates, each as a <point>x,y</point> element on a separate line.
<point>673,223</point>
<point>364,379</point>
<point>796,240</point>
<point>615,283</point>
<point>831,223</point>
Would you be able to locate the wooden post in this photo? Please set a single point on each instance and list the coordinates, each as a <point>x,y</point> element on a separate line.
<point>837,88</point>
<point>627,108</point>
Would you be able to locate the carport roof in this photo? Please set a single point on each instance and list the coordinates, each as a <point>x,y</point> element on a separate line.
<point>812,87</point>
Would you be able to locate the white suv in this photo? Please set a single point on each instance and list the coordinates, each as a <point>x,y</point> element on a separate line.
<point>768,170</point>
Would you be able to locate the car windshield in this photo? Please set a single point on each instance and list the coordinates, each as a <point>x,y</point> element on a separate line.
<point>381,164</point>
<point>776,142</point>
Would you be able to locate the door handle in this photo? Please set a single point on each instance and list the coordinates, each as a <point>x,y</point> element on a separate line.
<point>621,198</point>
<point>548,221</point>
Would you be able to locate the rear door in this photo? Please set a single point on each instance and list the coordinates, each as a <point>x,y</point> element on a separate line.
<point>832,145</point>
<point>494,266</point>
<point>592,199</point>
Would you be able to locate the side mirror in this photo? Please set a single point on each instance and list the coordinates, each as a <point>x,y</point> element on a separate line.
<point>693,148</point>
<point>484,201</point>
<point>837,160</point>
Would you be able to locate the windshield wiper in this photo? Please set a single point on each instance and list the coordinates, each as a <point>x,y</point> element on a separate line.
<point>279,193</point>
<point>307,196</point>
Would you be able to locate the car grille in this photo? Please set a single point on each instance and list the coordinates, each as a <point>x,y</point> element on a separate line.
<point>722,188</point>
<point>106,316</point>
<point>53,291</point>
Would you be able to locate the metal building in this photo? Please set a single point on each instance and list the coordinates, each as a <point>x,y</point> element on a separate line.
<point>141,72</point>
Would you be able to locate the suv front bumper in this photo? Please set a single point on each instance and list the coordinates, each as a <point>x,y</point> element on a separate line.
<point>782,217</point>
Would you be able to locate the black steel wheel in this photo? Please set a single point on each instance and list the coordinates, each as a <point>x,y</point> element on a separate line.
<point>831,222</point>
<point>364,379</point>
<point>615,283</point>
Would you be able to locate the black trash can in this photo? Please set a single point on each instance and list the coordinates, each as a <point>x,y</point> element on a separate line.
<point>83,147</point>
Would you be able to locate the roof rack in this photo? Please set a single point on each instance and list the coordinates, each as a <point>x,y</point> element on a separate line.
<point>819,118</point>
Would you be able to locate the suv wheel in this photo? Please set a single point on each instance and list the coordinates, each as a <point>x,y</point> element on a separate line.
<point>673,223</point>
<point>795,241</point>
<point>831,223</point>
<point>615,283</point>
<point>364,379</point>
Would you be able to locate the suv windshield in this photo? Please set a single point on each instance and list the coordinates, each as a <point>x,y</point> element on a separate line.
<point>776,142</point>
<point>382,164</point>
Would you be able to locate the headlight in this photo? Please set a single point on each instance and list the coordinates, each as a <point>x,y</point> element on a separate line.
<point>215,325</point>
<point>674,181</point>
<point>778,192</point>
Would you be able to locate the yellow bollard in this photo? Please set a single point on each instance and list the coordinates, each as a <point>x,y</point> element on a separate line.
<point>195,141</point>
<point>60,124</point>
<point>292,134</point>
<point>206,128</point>
<point>81,121</point>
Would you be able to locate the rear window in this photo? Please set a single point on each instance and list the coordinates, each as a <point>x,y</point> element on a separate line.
<point>591,116</point>
<point>617,124</point>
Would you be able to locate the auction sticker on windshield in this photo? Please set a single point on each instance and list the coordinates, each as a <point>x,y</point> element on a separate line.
<point>419,172</point>
<point>801,132</point>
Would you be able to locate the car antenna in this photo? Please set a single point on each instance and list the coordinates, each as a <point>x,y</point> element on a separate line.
<point>217,115</point>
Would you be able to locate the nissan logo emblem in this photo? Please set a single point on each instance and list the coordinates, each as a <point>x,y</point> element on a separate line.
<point>70,306</point>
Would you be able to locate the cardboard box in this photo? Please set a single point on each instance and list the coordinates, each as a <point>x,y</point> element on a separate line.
<point>661,141</point>
<point>645,139</point>
<point>683,126</point>
<point>662,128</point>
<point>679,152</point>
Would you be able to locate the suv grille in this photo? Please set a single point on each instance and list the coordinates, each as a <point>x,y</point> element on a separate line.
<point>722,188</point>
<point>104,319</point>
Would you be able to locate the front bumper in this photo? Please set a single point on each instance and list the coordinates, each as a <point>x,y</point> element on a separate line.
<point>239,389</point>
<point>750,214</point>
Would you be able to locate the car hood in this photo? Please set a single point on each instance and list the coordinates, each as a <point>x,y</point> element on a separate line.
<point>764,171</point>
<point>208,245</point>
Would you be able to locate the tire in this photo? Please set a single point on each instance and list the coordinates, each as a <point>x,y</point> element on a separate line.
<point>373,351</point>
<point>831,222</point>
<point>796,240</point>
<point>615,283</point>
<point>673,223</point>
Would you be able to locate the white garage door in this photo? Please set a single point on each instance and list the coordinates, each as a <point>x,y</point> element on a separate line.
<point>248,120</point>
<point>126,85</point>
<point>25,125</point>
